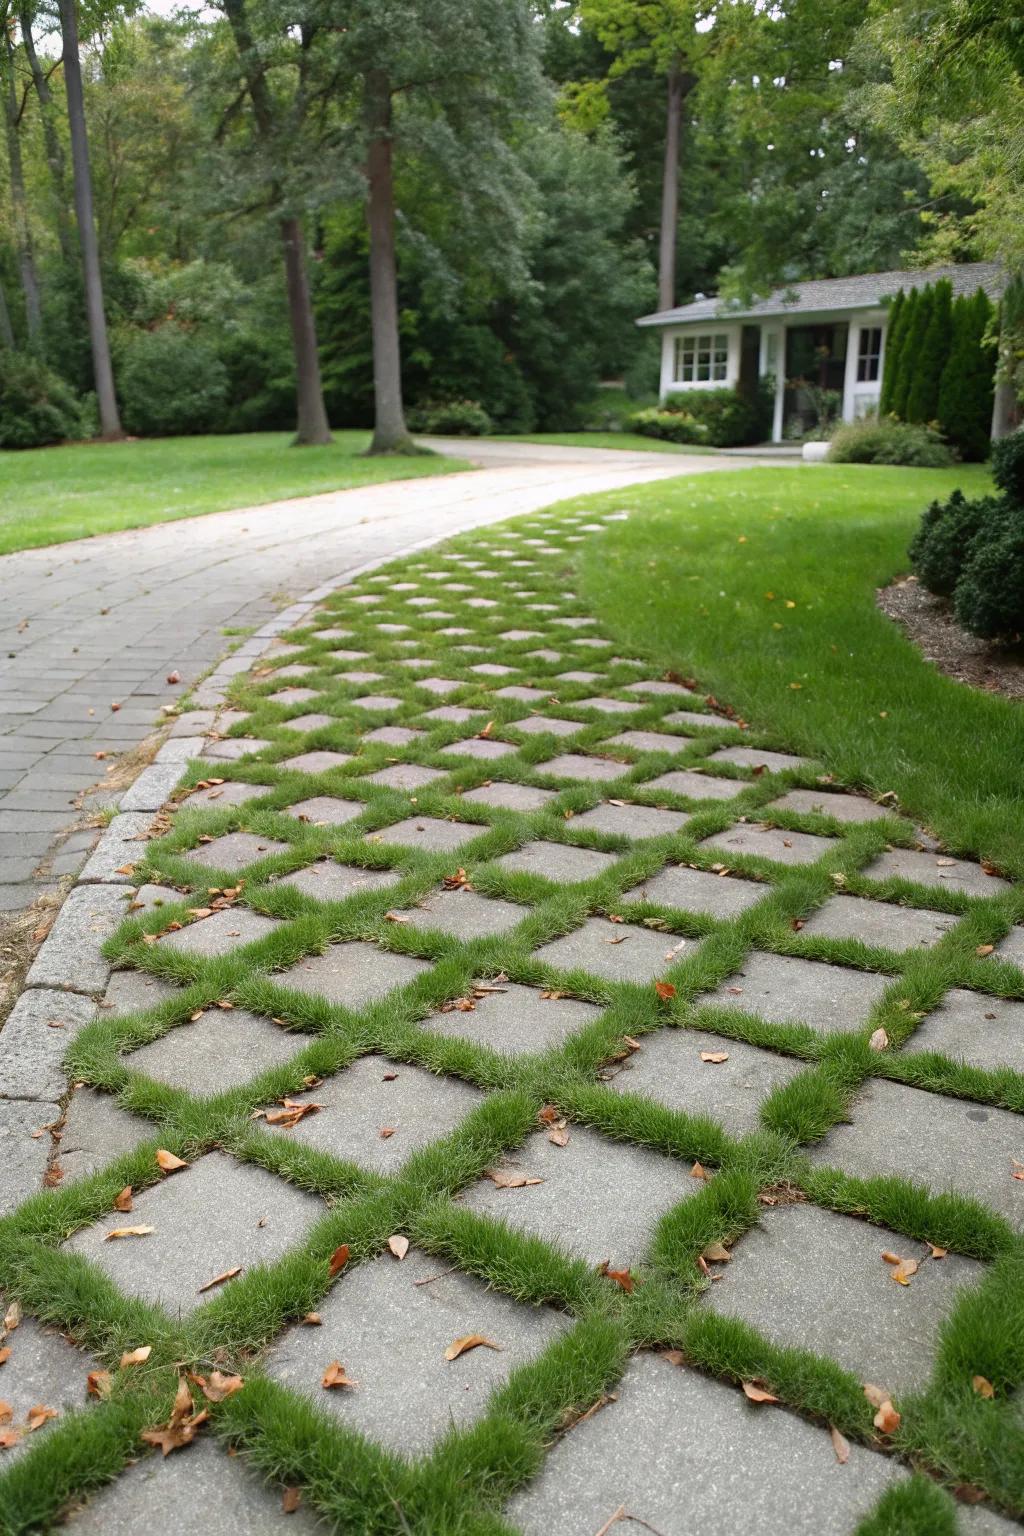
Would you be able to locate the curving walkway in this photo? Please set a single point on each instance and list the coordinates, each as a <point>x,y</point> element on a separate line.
<point>101,622</point>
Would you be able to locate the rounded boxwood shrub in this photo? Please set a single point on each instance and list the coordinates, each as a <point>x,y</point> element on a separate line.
<point>672,426</point>
<point>453,418</point>
<point>36,406</point>
<point>941,545</point>
<point>1008,465</point>
<point>873,440</point>
<point>171,384</point>
<point>989,598</point>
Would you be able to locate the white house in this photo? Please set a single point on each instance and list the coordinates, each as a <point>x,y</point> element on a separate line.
<point>828,334</point>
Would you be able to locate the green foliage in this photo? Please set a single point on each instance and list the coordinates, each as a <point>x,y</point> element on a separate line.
<point>36,406</point>
<point>914,385</point>
<point>451,418</point>
<point>940,546</point>
<point>895,332</point>
<point>923,392</point>
<point>989,597</point>
<point>674,426</point>
<point>884,440</point>
<point>911,335</point>
<point>964,399</point>
<point>171,384</point>
<point>728,418</point>
<point>1008,465</point>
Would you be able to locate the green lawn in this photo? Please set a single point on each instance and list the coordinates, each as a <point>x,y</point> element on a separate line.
<point>762,583</point>
<point>624,441</point>
<point>50,495</point>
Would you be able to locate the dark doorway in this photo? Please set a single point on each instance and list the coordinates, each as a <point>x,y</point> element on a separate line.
<point>750,360</point>
<point>815,373</point>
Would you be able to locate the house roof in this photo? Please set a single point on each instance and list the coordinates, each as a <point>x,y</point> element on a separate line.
<point>865,291</point>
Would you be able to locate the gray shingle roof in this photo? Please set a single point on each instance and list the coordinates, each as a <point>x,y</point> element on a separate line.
<point>865,291</point>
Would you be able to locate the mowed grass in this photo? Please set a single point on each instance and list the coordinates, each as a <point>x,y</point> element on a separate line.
<point>51,495</point>
<point>762,585</point>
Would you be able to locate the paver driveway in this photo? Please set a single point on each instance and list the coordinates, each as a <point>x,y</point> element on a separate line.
<point>105,621</point>
<point>465,1113</point>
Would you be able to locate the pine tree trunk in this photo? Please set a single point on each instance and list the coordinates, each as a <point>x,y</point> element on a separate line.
<point>110,421</point>
<point>51,138</point>
<point>19,204</point>
<point>390,434</point>
<point>6,329</point>
<point>312,425</point>
<point>670,193</point>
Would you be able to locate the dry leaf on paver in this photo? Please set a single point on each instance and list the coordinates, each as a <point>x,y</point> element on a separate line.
<point>903,1271</point>
<point>386,1132</point>
<point>228,1274</point>
<point>714,1056</point>
<point>136,1356</point>
<point>984,949</point>
<point>397,917</point>
<point>841,1446</point>
<point>1016,1169</point>
<point>312,1320</point>
<point>98,1384</point>
<point>168,1162</point>
<point>291,1112</point>
<point>39,1415</point>
<point>559,1135</point>
<point>879,1041</point>
<point>457,882</point>
<point>335,1376</point>
<point>488,728</point>
<point>467,1342</point>
<point>128,1232</point>
<point>508,1178</point>
<point>398,1245</point>
<point>698,1171</point>
<point>291,1498</point>
<point>673,1356</point>
<point>218,1386</point>
<point>716,1253</point>
<point>887,1419</point>
<point>180,1429</point>
<point>983,1386</point>
<point>664,989</point>
<point>757,1392</point>
<point>6,1412</point>
<point>123,1202</point>
<point>12,1317</point>
<point>339,1258</point>
<point>937,1252</point>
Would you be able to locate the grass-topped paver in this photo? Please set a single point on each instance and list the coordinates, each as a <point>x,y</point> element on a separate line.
<point>514,1051</point>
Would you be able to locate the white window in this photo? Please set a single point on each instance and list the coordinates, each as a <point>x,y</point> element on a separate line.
<point>869,353</point>
<point>701,359</point>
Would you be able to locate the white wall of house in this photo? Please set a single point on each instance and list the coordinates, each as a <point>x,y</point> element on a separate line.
<point>685,348</point>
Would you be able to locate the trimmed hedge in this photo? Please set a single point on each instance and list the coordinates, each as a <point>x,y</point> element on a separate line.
<point>451,418</point>
<point>874,440</point>
<point>722,418</point>
<point>673,426</point>
<point>974,550</point>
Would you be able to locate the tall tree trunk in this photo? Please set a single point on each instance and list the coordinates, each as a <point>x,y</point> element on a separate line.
<point>390,434</point>
<point>6,329</point>
<point>19,203</point>
<point>110,421</point>
<point>312,425</point>
<point>51,138</point>
<point>670,192</point>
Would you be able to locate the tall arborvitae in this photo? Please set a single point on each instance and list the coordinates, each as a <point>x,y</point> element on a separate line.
<point>893,343</point>
<point>923,394</point>
<point>910,342</point>
<point>965,390</point>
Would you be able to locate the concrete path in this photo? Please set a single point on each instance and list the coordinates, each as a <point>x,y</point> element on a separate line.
<point>103,622</point>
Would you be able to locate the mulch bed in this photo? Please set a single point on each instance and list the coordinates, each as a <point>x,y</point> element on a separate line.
<point>929,623</point>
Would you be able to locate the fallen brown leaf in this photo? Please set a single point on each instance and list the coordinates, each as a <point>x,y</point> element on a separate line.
<point>12,1317</point>
<point>229,1274</point>
<point>312,1320</point>
<point>136,1356</point>
<point>219,1386</point>
<point>128,1232</point>
<point>180,1429</point>
<point>757,1393</point>
<point>507,1178</point>
<point>938,1253</point>
<point>168,1162</point>
<point>714,1056</point>
<point>983,1386</point>
<point>291,1498</point>
<point>123,1202</point>
<point>339,1258</point>
<point>716,1253</point>
<point>97,1384</point>
<point>879,1041</point>
<point>6,1412</point>
<point>466,1343</point>
<point>335,1376</point>
<point>38,1416</point>
<point>841,1446</point>
<point>698,1171</point>
<point>984,949</point>
<point>398,1245</point>
<point>386,1132</point>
